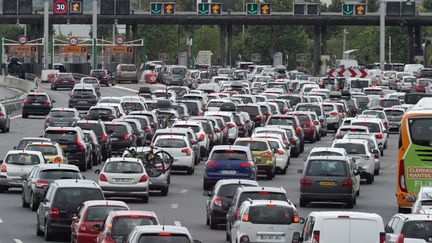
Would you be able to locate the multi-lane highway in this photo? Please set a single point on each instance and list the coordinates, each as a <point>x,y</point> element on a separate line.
<point>184,204</point>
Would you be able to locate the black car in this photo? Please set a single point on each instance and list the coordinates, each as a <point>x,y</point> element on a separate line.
<point>96,154</point>
<point>74,144</point>
<point>145,125</point>
<point>220,199</point>
<point>62,117</point>
<point>254,112</point>
<point>101,132</point>
<point>4,119</point>
<point>37,103</point>
<point>61,203</point>
<point>100,112</point>
<point>63,81</point>
<point>138,131</point>
<point>122,136</point>
<point>36,182</point>
<point>105,77</point>
<point>83,96</point>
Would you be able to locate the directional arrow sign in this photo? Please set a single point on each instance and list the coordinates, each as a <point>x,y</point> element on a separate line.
<point>169,8</point>
<point>203,8</point>
<point>155,8</point>
<point>216,8</point>
<point>252,8</point>
<point>347,9</point>
<point>360,9</point>
<point>265,8</point>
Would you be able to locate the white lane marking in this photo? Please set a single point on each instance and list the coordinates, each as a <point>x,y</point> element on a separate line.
<point>1,221</point>
<point>174,205</point>
<point>124,88</point>
<point>177,223</point>
<point>15,117</point>
<point>184,191</point>
<point>18,241</point>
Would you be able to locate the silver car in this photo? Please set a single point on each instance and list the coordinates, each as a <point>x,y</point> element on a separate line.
<point>16,164</point>
<point>124,177</point>
<point>4,119</point>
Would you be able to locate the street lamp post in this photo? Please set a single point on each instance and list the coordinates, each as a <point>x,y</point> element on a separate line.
<point>382,33</point>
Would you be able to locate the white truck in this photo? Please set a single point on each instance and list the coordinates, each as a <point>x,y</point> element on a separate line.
<point>203,58</point>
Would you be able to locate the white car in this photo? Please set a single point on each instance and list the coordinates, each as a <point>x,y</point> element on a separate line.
<point>197,127</point>
<point>228,117</point>
<point>181,149</point>
<point>341,227</point>
<point>160,233</point>
<point>266,129</point>
<point>124,177</point>
<point>265,221</point>
<point>281,152</point>
<point>423,201</point>
<point>376,127</point>
<point>360,151</point>
<point>370,138</point>
<point>16,164</point>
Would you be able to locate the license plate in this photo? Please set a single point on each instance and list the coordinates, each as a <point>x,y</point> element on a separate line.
<point>36,104</point>
<point>123,180</point>
<point>114,139</point>
<point>228,172</point>
<point>63,146</point>
<point>327,183</point>
<point>82,102</point>
<point>271,237</point>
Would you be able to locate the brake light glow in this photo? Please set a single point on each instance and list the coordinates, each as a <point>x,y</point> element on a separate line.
<point>104,138</point>
<point>245,218</point>
<point>402,184</point>
<point>57,159</point>
<point>26,101</point>
<point>246,164</point>
<point>270,205</point>
<point>211,163</point>
<point>2,114</point>
<point>259,117</point>
<point>102,177</point>
<point>280,151</point>
<point>347,183</point>
<point>147,129</point>
<point>217,201</point>
<point>316,237</point>
<point>333,113</point>
<point>400,238</point>
<point>126,137</point>
<point>47,102</point>
<point>187,151</point>
<point>263,192</point>
<point>267,154</point>
<point>382,237</point>
<point>305,182</point>
<point>379,136</point>
<point>54,213</point>
<point>41,184</point>
<point>164,234</point>
<point>3,168</point>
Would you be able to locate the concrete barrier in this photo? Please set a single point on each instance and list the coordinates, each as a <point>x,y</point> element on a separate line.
<point>14,104</point>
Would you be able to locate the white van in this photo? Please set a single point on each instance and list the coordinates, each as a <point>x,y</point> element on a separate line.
<point>413,69</point>
<point>341,227</point>
<point>358,84</point>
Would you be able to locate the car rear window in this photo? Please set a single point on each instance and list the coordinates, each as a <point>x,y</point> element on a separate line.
<point>36,98</point>
<point>229,190</point>
<point>281,121</point>
<point>90,81</point>
<point>313,108</point>
<point>270,214</point>
<point>327,168</point>
<point>83,92</point>
<point>156,238</point>
<point>122,226</point>
<point>394,113</point>
<point>117,129</point>
<point>253,145</point>
<point>417,229</point>
<point>328,108</point>
<point>44,149</point>
<point>262,195</point>
<point>123,167</point>
<point>352,148</point>
<point>196,129</point>
<point>229,155</point>
<point>215,103</point>
<point>389,103</point>
<point>96,73</point>
<point>100,111</point>
<point>109,100</point>
<point>76,196</point>
<point>170,143</point>
<point>128,68</point>
<point>303,117</point>
<point>99,213</point>
<point>22,159</point>
<point>61,136</point>
<point>60,174</point>
<point>251,110</point>
<point>96,128</point>
<point>324,153</point>
<point>23,143</point>
<point>132,106</point>
<point>62,114</point>
<point>373,127</point>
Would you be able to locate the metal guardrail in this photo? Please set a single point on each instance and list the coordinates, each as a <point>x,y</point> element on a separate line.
<point>13,104</point>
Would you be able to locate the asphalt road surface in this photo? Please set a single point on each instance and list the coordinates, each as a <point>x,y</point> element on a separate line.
<point>185,204</point>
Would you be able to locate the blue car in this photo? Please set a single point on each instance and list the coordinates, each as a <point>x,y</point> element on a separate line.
<point>229,162</point>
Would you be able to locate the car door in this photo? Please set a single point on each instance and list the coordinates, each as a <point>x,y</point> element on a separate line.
<point>236,224</point>
<point>28,184</point>
<point>44,206</point>
<point>391,237</point>
<point>307,232</point>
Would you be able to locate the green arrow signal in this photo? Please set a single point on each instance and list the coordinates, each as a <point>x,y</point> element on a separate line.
<point>156,9</point>
<point>348,10</point>
<point>203,9</point>
<point>251,10</point>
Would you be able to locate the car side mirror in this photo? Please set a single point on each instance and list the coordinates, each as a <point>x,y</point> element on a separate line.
<point>356,172</point>
<point>24,177</point>
<point>301,220</point>
<point>97,172</point>
<point>296,237</point>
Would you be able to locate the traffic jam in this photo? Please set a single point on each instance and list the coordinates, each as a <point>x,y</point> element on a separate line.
<point>240,128</point>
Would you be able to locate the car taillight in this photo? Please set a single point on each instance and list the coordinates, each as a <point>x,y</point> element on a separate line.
<point>47,102</point>
<point>217,201</point>
<point>104,138</point>
<point>280,151</point>
<point>3,168</point>
<point>54,213</point>
<point>211,163</point>
<point>379,136</point>
<point>236,212</point>
<point>333,113</point>
<point>376,156</point>
<point>26,101</point>
<point>402,183</point>
<point>126,137</point>
<point>365,157</point>
<point>240,124</point>
<point>400,238</point>
<point>259,117</point>
<point>244,239</point>
<point>102,177</point>
<point>2,114</point>
<point>82,228</point>
<point>57,160</point>
<point>147,129</point>
<point>293,141</point>
<point>41,184</point>
<point>298,130</point>
<point>187,151</point>
<point>216,129</point>
<point>143,178</point>
<point>80,145</point>
<point>316,237</point>
<point>230,125</point>
<point>267,154</point>
<point>246,164</point>
<point>347,183</point>
<point>382,237</point>
<point>305,182</point>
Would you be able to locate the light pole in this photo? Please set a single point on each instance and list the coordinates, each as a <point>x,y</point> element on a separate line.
<point>344,42</point>
<point>382,33</point>
<point>46,33</point>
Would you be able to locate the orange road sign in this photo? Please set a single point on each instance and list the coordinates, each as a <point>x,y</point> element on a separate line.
<point>22,49</point>
<point>74,49</point>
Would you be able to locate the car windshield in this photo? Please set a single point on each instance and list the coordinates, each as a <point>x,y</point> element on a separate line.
<point>100,111</point>
<point>96,128</point>
<point>122,226</point>
<point>62,114</point>
<point>373,126</point>
<point>394,113</point>
<point>123,167</point>
<point>352,148</point>
<point>229,155</point>
<point>229,190</point>
<point>57,174</point>
<point>170,143</point>
<point>417,229</point>
<point>171,238</point>
<point>327,168</point>
<point>359,84</point>
<point>420,130</point>
<point>324,153</point>
<point>253,145</point>
<point>61,136</point>
<point>44,149</point>
<point>270,214</point>
<point>76,195</point>
<point>281,121</point>
<point>22,159</point>
<point>99,213</point>
<point>380,115</point>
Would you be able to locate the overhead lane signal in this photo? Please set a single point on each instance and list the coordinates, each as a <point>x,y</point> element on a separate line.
<point>203,8</point>
<point>265,8</point>
<point>76,7</point>
<point>216,8</point>
<point>156,8</point>
<point>252,8</point>
<point>348,9</point>
<point>360,9</point>
<point>169,8</point>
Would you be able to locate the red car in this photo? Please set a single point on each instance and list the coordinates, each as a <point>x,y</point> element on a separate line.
<point>87,224</point>
<point>119,224</point>
<point>308,125</point>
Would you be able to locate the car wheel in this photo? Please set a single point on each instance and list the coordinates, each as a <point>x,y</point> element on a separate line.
<point>369,179</point>
<point>24,204</point>
<point>38,231</point>
<point>270,175</point>
<point>212,224</point>
<point>358,192</point>
<point>190,171</point>
<point>302,147</point>
<point>206,187</point>
<point>83,167</point>
<point>227,236</point>
<point>164,191</point>
<point>350,204</point>
<point>145,199</point>
<point>385,145</point>
<point>303,202</point>
<point>377,172</point>
<point>33,205</point>
<point>24,115</point>
<point>47,234</point>
<point>207,219</point>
